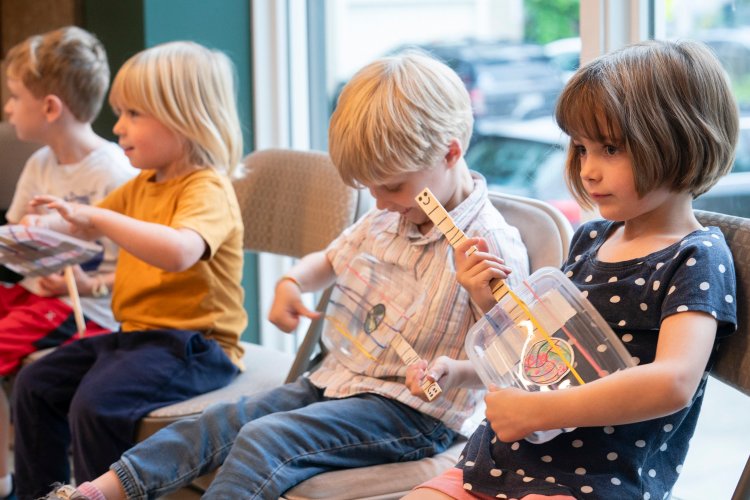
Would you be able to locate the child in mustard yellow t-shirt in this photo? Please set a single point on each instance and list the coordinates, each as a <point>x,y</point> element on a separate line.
<point>177,292</point>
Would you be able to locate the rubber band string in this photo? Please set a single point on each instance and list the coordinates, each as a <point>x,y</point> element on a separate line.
<point>442,220</point>
<point>398,318</point>
<point>572,339</point>
<point>546,336</point>
<point>343,331</point>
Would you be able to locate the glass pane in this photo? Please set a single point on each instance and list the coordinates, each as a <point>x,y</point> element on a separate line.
<point>514,57</point>
<point>725,27</point>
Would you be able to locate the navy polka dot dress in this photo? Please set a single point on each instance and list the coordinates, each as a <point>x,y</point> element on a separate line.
<point>641,460</point>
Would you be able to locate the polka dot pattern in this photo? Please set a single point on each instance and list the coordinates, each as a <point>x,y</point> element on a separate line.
<point>633,297</point>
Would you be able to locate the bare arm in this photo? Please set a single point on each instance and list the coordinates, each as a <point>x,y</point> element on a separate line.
<point>311,273</point>
<point>640,393</point>
<point>156,244</point>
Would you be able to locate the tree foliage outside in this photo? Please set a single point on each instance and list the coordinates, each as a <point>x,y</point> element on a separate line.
<point>548,20</point>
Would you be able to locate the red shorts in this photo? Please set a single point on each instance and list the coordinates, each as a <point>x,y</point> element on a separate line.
<point>29,323</point>
<point>451,483</point>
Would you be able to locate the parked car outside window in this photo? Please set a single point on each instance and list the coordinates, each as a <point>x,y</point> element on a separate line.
<point>528,158</point>
<point>566,54</point>
<point>504,79</point>
<point>525,158</point>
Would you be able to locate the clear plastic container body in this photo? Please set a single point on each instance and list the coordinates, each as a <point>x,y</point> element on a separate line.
<point>371,303</point>
<point>544,336</point>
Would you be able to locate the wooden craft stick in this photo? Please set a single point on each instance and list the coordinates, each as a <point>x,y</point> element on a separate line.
<point>443,221</point>
<point>70,281</point>
<point>409,356</point>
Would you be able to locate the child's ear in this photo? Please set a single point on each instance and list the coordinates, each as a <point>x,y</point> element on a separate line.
<point>455,153</point>
<point>53,107</point>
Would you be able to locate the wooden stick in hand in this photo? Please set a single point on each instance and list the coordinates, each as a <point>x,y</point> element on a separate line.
<point>70,281</point>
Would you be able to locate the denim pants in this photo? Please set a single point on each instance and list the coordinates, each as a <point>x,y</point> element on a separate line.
<point>92,393</point>
<point>269,442</point>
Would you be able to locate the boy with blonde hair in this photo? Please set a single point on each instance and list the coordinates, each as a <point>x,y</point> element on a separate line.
<point>401,124</point>
<point>57,82</point>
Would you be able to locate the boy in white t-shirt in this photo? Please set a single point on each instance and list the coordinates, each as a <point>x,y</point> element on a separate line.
<point>57,82</point>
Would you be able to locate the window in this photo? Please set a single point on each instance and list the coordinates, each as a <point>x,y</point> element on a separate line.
<point>339,37</point>
<point>725,27</point>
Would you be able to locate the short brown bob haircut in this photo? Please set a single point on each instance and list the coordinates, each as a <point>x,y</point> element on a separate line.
<point>668,103</point>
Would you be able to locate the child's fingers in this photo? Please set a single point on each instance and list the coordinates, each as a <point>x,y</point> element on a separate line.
<point>493,272</point>
<point>29,220</point>
<point>436,371</point>
<point>308,313</point>
<point>43,199</point>
<point>301,310</point>
<point>468,246</point>
<point>415,372</point>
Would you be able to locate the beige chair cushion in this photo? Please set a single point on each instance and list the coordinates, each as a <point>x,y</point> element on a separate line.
<point>377,482</point>
<point>293,202</point>
<point>733,364</point>
<point>544,229</point>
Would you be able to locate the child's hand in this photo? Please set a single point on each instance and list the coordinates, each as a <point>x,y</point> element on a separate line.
<point>287,307</point>
<point>448,372</point>
<point>508,413</point>
<point>415,376</point>
<point>54,285</point>
<point>33,220</point>
<point>78,215</point>
<point>475,270</point>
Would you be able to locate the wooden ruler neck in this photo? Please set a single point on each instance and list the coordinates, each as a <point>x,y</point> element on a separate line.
<point>443,221</point>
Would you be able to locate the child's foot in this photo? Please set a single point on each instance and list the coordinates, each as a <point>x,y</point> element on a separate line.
<point>65,492</point>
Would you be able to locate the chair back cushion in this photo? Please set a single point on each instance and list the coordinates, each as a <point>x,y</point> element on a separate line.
<point>293,202</point>
<point>544,229</point>
<point>733,364</point>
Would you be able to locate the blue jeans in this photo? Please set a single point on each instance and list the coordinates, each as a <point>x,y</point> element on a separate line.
<point>93,392</point>
<point>269,442</point>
